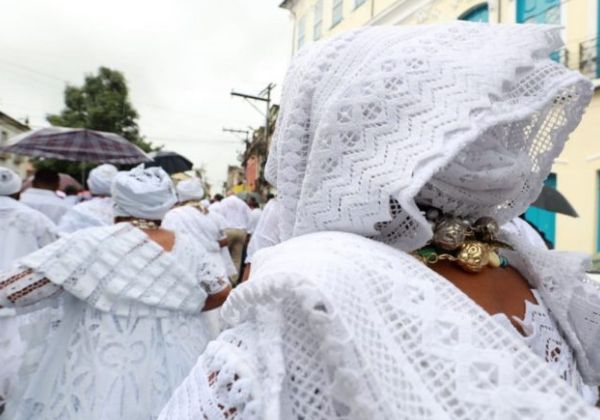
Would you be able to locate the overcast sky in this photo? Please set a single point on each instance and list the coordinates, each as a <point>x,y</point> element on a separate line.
<point>181,59</point>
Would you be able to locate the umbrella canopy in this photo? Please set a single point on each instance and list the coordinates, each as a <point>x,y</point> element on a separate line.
<point>171,162</point>
<point>76,144</point>
<point>552,200</point>
<point>65,181</point>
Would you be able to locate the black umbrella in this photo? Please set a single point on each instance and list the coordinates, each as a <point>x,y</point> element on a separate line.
<point>171,162</point>
<point>552,200</point>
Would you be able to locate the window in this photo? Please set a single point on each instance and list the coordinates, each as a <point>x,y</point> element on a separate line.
<point>358,3</point>
<point>318,20</point>
<point>301,31</point>
<point>338,12</point>
<point>538,11</point>
<point>477,14</point>
<point>543,220</point>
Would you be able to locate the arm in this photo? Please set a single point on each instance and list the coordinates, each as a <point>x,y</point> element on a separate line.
<point>216,300</point>
<point>223,242</point>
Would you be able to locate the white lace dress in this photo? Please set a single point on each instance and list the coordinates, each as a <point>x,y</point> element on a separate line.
<point>336,326</point>
<point>131,329</point>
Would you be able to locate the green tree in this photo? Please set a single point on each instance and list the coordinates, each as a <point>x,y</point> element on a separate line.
<point>101,103</point>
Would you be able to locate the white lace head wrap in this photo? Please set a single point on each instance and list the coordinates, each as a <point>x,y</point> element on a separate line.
<point>466,117</point>
<point>100,179</point>
<point>190,189</point>
<point>146,193</point>
<point>10,182</point>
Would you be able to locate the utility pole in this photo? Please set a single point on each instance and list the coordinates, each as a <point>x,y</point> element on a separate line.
<point>264,96</point>
<point>236,131</point>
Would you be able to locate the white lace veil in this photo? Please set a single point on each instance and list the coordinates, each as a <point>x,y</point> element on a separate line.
<point>466,117</point>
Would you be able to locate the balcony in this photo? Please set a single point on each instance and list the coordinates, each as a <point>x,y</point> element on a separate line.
<point>588,58</point>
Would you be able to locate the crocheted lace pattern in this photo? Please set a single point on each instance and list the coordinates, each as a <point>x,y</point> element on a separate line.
<point>341,327</point>
<point>463,116</point>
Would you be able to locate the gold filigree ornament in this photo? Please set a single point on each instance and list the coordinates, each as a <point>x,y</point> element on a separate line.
<point>472,246</point>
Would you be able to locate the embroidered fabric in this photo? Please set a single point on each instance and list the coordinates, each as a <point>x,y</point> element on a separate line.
<point>544,339</point>
<point>341,327</point>
<point>118,269</point>
<point>440,114</point>
<point>131,327</point>
<point>96,212</point>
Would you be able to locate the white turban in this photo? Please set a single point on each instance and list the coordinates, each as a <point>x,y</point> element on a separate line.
<point>100,179</point>
<point>146,193</point>
<point>10,182</point>
<point>190,189</point>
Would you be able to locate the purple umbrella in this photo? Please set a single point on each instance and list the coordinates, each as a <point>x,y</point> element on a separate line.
<point>76,144</point>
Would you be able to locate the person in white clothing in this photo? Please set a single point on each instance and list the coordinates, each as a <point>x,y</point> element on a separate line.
<point>95,212</point>
<point>220,222</point>
<point>42,195</point>
<point>190,217</point>
<point>23,230</point>
<point>255,212</point>
<point>266,233</point>
<point>236,213</point>
<point>399,152</point>
<point>132,298</point>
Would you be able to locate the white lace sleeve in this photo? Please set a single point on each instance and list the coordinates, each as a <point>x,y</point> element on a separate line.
<point>222,385</point>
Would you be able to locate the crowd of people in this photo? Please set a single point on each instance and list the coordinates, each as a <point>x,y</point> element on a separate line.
<point>391,278</point>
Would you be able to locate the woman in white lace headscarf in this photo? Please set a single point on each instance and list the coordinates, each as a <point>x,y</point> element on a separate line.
<point>392,141</point>
<point>133,296</point>
<point>95,212</point>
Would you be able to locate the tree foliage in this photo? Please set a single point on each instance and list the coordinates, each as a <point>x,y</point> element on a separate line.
<point>101,103</point>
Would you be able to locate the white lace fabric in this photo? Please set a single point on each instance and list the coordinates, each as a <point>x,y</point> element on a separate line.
<point>130,328</point>
<point>542,336</point>
<point>466,117</point>
<point>335,326</point>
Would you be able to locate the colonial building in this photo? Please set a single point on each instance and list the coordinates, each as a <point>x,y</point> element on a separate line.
<point>576,173</point>
<point>9,127</point>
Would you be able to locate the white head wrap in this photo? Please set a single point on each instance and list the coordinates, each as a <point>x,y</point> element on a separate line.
<point>100,179</point>
<point>465,117</point>
<point>190,189</point>
<point>10,182</point>
<point>146,193</point>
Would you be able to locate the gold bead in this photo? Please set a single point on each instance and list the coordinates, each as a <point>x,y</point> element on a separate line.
<point>473,256</point>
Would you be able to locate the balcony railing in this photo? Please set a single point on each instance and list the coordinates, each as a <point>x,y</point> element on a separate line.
<point>588,58</point>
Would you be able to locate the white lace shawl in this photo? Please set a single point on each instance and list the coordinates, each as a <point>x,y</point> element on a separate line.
<point>119,269</point>
<point>467,116</point>
<point>336,326</point>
